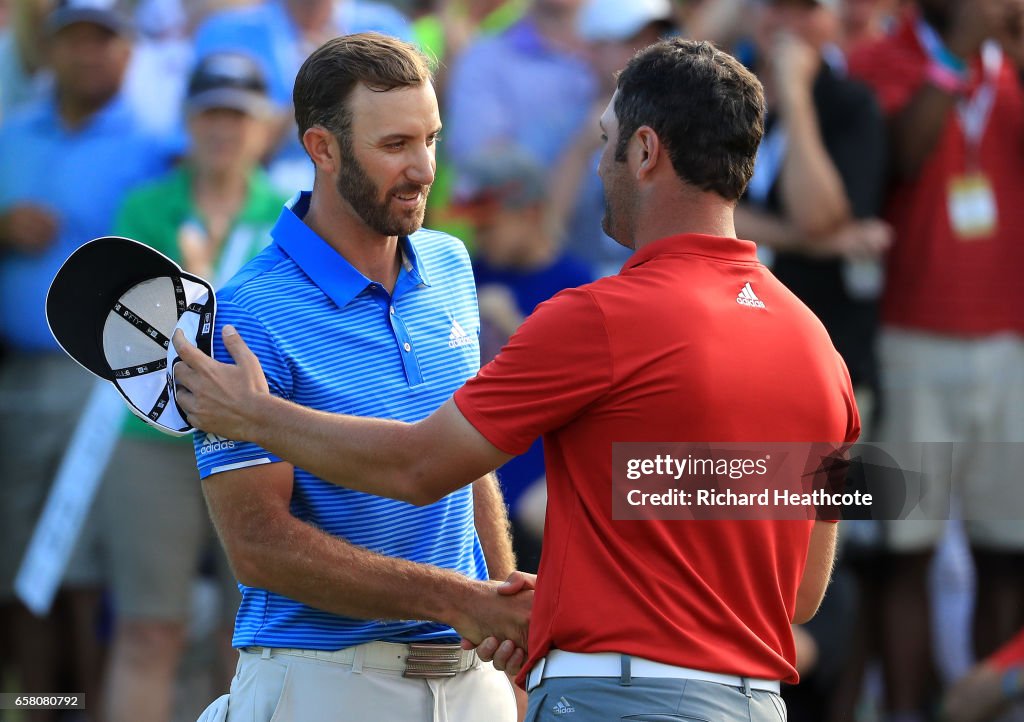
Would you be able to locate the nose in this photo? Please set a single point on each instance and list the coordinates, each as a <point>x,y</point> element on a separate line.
<point>423,166</point>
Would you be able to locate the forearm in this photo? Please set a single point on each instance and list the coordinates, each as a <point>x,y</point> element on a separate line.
<point>821,554</point>
<point>408,462</point>
<point>916,131</point>
<point>976,697</point>
<point>766,229</point>
<point>294,559</point>
<point>812,189</point>
<point>493,527</point>
<point>375,456</point>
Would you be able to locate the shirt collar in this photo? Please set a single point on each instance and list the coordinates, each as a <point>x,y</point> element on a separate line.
<point>327,268</point>
<point>115,115</point>
<point>725,249</point>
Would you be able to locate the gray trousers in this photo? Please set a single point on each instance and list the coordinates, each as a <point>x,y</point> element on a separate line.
<point>648,699</point>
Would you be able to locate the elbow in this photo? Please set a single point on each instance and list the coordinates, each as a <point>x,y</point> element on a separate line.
<point>416,487</point>
<point>251,551</point>
<point>806,607</point>
<point>249,565</point>
<point>821,220</point>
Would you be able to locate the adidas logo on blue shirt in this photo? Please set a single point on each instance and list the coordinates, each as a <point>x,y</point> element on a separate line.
<point>458,336</point>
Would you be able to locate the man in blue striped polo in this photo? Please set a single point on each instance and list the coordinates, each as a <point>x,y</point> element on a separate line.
<point>353,605</point>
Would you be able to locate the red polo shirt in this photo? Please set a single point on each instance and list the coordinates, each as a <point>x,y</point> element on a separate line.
<point>935,281</point>
<point>663,352</point>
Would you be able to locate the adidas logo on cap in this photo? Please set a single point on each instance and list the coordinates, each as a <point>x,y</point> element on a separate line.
<point>748,298</point>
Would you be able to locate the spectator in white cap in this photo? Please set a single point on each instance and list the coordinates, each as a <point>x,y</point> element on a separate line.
<point>614,30</point>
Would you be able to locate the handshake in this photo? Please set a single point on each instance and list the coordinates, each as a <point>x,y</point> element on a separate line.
<point>495,622</point>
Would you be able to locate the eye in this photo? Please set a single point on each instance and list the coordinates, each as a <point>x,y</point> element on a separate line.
<point>435,138</point>
<point>604,138</point>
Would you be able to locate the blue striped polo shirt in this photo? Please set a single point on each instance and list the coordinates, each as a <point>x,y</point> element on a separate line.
<point>331,339</point>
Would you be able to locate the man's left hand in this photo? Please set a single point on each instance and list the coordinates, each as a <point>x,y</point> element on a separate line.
<point>220,398</point>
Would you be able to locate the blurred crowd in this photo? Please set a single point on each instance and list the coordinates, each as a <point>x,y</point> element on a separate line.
<point>887,195</point>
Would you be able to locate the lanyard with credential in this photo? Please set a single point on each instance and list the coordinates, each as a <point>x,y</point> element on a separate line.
<point>974,113</point>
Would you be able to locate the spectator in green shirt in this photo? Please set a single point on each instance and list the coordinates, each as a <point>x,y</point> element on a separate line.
<point>211,215</point>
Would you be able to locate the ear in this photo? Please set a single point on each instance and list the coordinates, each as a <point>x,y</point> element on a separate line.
<point>645,152</point>
<point>323,149</point>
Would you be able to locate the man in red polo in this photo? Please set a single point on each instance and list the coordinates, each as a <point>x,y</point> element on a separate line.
<point>694,341</point>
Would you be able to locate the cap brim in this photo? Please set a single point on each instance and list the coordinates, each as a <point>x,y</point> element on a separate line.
<point>90,285</point>
<point>244,101</point>
<point>62,18</point>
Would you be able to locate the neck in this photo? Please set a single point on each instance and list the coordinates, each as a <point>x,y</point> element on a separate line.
<point>311,20</point>
<point>219,185</point>
<point>692,211</point>
<point>76,112</point>
<point>370,253</point>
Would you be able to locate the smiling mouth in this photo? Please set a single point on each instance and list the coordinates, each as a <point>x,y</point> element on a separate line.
<point>410,199</point>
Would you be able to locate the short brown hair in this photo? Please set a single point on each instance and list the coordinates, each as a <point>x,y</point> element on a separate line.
<point>707,109</point>
<point>327,78</point>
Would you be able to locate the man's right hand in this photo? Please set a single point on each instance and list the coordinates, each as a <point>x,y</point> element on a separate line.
<point>864,239</point>
<point>28,228</point>
<point>507,655</point>
<point>496,610</point>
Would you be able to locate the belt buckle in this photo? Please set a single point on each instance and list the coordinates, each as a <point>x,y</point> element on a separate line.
<point>430,661</point>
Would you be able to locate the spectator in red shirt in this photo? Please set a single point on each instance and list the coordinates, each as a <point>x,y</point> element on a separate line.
<point>951,350</point>
<point>693,340</point>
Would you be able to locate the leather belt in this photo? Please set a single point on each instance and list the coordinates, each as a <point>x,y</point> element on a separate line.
<point>416,660</point>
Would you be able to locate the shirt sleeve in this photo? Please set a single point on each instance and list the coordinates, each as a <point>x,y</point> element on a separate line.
<point>893,72</point>
<point>215,454</point>
<point>551,370</point>
<point>1010,654</point>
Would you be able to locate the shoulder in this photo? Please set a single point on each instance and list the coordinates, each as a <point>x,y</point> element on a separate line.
<point>152,205</point>
<point>153,193</point>
<point>262,283</point>
<point>890,59</point>
<point>224,24</point>
<point>485,51</point>
<point>440,252</point>
<point>265,199</point>
<point>26,118</point>
<point>570,305</point>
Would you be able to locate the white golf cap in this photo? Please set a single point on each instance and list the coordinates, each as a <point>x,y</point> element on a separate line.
<point>621,19</point>
<point>114,306</point>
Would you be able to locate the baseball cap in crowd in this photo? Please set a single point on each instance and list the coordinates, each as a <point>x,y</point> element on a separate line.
<point>114,306</point>
<point>617,20</point>
<point>228,80</point>
<point>828,4</point>
<point>105,13</point>
<point>505,177</point>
